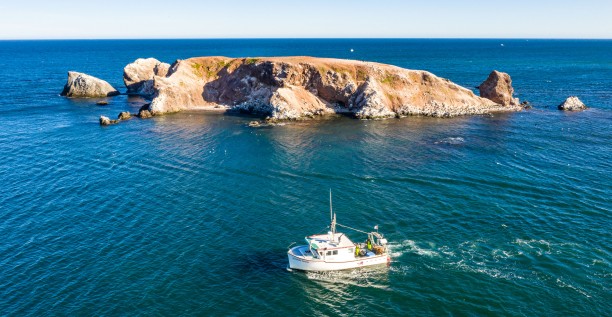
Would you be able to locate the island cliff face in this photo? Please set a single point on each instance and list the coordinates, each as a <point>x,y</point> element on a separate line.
<point>138,76</point>
<point>302,87</point>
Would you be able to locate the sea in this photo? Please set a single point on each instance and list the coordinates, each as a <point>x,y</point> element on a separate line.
<point>191,214</point>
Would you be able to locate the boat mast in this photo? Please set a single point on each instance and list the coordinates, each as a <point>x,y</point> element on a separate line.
<point>332,217</point>
<point>330,206</point>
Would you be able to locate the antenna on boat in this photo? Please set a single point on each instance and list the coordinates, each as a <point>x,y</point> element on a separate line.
<point>332,217</point>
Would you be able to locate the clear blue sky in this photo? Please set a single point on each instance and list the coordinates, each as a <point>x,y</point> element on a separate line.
<point>37,19</point>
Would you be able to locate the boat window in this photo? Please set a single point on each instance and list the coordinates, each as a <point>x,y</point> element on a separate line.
<point>329,252</point>
<point>335,252</point>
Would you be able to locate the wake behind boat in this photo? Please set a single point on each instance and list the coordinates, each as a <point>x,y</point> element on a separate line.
<point>335,251</point>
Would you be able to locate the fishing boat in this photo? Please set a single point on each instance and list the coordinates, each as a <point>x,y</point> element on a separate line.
<point>333,251</point>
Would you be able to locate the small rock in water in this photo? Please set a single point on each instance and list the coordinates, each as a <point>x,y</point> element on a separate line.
<point>107,121</point>
<point>124,115</point>
<point>102,103</point>
<point>526,105</point>
<point>144,112</point>
<point>572,104</point>
<point>266,123</point>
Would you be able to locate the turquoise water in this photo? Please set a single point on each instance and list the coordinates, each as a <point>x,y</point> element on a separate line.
<point>191,214</point>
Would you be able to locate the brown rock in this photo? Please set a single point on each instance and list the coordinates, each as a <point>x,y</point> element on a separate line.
<point>81,85</point>
<point>144,112</point>
<point>526,105</point>
<point>498,88</point>
<point>572,104</point>
<point>302,87</point>
<point>124,115</point>
<point>107,121</point>
<point>138,76</point>
<point>102,103</point>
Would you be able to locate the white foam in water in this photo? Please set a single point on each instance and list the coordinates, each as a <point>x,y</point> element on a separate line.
<point>539,246</point>
<point>414,248</point>
<point>395,254</point>
<point>403,269</point>
<point>470,256</point>
<point>451,140</point>
<point>447,251</point>
<point>396,250</point>
<point>567,285</point>
<point>491,272</point>
<point>502,254</point>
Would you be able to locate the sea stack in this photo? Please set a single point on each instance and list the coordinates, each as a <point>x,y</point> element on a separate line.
<point>80,85</point>
<point>498,88</point>
<point>572,104</point>
<point>305,87</point>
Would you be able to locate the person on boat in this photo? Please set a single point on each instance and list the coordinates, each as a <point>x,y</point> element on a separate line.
<point>356,250</point>
<point>369,243</point>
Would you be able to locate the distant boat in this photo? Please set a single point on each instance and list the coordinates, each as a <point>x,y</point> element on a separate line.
<point>335,251</point>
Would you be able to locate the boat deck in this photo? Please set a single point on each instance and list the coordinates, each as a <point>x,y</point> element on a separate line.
<point>303,251</point>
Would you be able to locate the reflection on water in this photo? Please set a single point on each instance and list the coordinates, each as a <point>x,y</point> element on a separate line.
<point>338,292</point>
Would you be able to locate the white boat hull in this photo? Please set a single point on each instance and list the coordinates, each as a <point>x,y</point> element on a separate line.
<point>312,264</point>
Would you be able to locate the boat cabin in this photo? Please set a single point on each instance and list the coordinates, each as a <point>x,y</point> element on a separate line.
<point>331,246</point>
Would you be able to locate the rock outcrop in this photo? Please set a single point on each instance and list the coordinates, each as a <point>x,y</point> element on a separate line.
<point>124,115</point>
<point>299,87</point>
<point>81,85</point>
<point>498,88</point>
<point>107,121</point>
<point>572,104</point>
<point>143,112</point>
<point>138,76</point>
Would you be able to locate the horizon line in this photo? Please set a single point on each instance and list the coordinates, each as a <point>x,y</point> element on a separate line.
<point>303,38</point>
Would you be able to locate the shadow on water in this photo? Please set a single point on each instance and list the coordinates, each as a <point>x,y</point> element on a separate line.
<point>272,261</point>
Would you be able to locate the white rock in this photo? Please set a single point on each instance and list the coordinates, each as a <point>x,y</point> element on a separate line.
<point>572,104</point>
<point>80,85</point>
<point>138,76</point>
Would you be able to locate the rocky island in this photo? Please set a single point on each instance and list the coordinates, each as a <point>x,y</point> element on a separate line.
<point>299,87</point>
<point>305,87</point>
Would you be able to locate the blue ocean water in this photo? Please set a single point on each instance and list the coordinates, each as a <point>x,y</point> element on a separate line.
<point>191,214</point>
